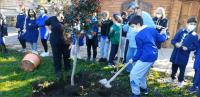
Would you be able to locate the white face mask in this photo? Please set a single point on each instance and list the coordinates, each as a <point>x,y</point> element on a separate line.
<point>42,12</point>
<point>159,15</point>
<point>191,27</point>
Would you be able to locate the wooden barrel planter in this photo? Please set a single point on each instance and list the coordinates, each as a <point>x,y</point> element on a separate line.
<point>30,62</point>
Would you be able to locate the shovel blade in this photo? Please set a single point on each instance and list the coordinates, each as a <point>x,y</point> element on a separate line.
<point>103,81</point>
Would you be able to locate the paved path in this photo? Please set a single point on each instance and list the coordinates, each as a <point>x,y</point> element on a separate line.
<point>162,64</point>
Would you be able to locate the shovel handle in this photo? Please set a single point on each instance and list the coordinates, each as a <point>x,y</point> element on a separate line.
<point>112,78</point>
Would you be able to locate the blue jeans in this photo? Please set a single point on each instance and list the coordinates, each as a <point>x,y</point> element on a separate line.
<point>104,47</point>
<point>138,76</point>
<point>130,54</point>
<point>34,46</point>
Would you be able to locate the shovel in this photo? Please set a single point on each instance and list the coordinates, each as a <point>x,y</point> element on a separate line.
<point>106,83</point>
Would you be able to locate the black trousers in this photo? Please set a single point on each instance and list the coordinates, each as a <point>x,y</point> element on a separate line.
<point>3,48</point>
<point>61,52</point>
<point>44,43</point>
<point>181,68</point>
<point>113,52</point>
<point>21,40</point>
<point>92,43</point>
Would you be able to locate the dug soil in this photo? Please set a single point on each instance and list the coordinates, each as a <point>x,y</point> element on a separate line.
<point>87,85</point>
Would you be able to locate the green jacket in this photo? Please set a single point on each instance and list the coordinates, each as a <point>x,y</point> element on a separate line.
<point>114,34</point>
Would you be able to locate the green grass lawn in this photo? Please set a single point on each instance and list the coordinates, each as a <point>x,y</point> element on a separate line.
<point>16,83</point>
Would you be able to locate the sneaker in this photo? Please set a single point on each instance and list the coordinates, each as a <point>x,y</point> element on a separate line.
<point>35,52</point>
<point>94,59</point>
<point>88,59</point>
<point>144,91</point>
<point>44,54</point>
<point>133,95</point>
<point>170,80</point>
<point>192,90</point>
<point>180,84</point>
<point>22,50</point>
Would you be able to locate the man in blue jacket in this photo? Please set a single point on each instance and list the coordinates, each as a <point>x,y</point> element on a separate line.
<point>146,55</point>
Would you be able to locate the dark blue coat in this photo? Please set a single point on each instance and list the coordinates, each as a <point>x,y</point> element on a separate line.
<point>197,57</point>
<point>20,21</point>
<point>32,33</point>
<point>42,29</point>
<point>179,56</point>
<point>3,31</point>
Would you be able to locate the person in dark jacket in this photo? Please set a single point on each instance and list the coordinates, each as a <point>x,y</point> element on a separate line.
<point>31,33</point>
<point>145,56</point>
<point>44,35</point>
<point>104,41</point>
<point>124,45</point>
<point>161,22</point>
<point>60,49</point>
<point>184,42</point>
<point>20,24</point>
<point>91,29</point>
<point>196,79</point>
<point>3,32</point>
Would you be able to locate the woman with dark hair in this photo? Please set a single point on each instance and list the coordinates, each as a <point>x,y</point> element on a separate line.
<point>3,32</point>
<point>20,26</point>
<point>43,31</point>
<point>114,37</point>
<point>60,49</point>
<point>31,33</point>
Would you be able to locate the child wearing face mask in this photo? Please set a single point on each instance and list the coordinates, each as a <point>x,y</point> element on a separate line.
<point>160,21</point>
<point>145,56</point>
<point>184,42</point>
<point>131,33</point>
<point>43,31</point>
<point>20,26</point>
<point>114,37</point>
<point>31,30</point>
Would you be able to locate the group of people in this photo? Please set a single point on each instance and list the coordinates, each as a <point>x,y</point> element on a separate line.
<point>130,36</point>
<point>29,27</point>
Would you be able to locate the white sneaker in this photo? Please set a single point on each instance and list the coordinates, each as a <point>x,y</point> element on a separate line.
<point>44,54</point>
<point>35,52</point>
<point>22,50</point>
<point>170,80</point>
<point>180,84</point>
